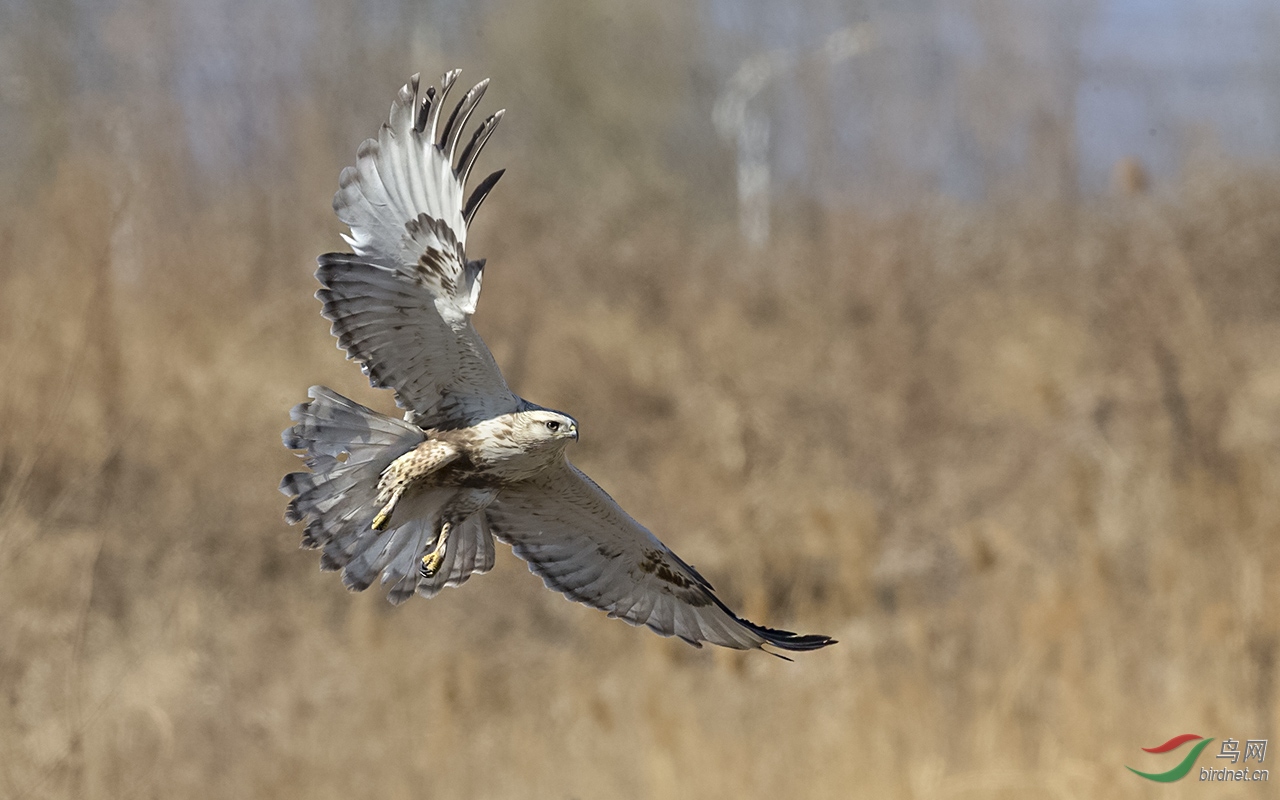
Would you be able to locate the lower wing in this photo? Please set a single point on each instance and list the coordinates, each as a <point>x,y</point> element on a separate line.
<point>581,543</point>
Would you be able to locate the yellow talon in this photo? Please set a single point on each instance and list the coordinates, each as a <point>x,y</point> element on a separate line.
<point>380,521</point>
<point>431,563</point>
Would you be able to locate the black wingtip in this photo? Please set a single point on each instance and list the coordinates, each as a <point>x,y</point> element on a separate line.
<point>479,139</point>
<point>786,640</point>
<point>478,196</point>
<point>783,640</point>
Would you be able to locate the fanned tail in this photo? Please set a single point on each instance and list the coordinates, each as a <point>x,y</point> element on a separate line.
<point>347,446</point>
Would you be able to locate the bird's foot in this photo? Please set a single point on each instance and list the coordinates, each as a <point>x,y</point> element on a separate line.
<point>431,561</point>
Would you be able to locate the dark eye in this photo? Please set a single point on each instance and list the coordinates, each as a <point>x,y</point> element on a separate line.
<point>553,426</point>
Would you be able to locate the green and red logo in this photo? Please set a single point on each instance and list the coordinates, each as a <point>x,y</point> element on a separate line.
<point>1179,772</point>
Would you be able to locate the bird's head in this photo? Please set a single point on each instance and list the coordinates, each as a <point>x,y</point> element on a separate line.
<point>542,427</point>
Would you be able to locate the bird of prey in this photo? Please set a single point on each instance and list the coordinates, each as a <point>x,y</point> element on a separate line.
<point>419,501</point>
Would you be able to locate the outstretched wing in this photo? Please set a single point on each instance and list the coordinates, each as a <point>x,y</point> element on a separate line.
<point>401,304</point>
<point>580,542</point>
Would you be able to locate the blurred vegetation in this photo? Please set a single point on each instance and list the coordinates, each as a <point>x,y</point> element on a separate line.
<point>1019,456</point>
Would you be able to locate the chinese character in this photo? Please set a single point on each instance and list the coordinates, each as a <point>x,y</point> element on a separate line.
<point>1230,749</point>
<point>1255,747</point>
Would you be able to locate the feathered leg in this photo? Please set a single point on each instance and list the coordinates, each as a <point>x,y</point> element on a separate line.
<point>407,470</point>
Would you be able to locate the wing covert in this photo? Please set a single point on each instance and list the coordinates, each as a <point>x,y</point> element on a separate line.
<point>582,544</point>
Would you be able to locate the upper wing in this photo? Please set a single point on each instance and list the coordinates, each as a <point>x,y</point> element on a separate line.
<point>583,544</point>
<point>402,302</point>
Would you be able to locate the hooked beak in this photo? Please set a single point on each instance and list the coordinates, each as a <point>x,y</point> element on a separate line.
<point>573,430</point>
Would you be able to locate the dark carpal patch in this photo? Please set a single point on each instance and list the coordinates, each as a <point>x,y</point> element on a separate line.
<point>655,564</point>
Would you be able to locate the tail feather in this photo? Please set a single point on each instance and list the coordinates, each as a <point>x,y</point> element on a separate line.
<point>396,557</point>
<point>470,550</point>
<point>347,447</point>
<point>402,559</point>
<point>331,424</point>
<point>402,573</point>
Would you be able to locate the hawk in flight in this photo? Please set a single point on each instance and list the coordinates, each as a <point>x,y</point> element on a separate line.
<point>419,501</point>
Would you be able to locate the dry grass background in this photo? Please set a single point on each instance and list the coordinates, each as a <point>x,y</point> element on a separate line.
<point>1020,458</point>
